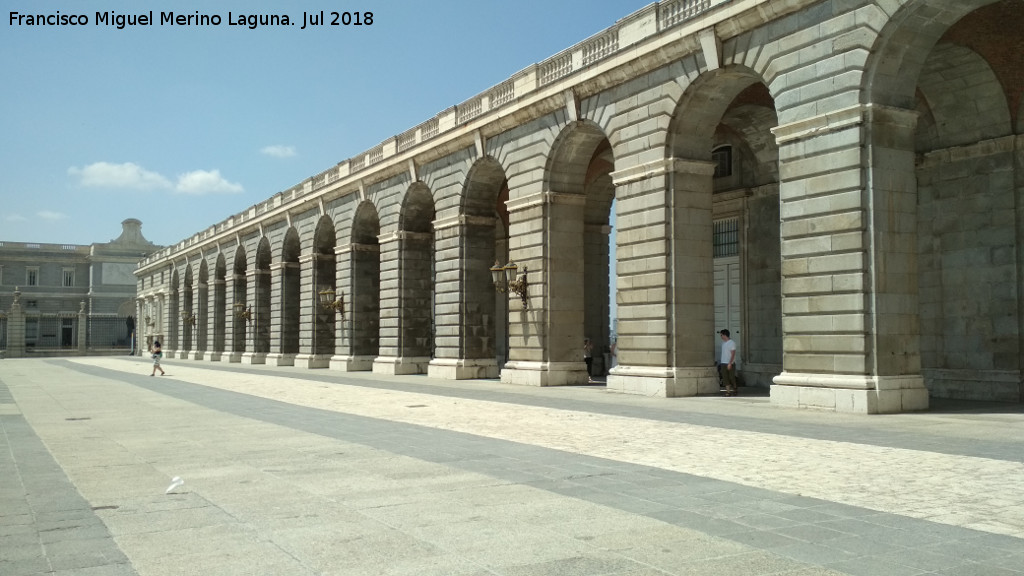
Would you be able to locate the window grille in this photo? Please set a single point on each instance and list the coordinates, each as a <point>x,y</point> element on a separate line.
<point>32,277</point>
<point>726,238</point>
<point>69,277</point>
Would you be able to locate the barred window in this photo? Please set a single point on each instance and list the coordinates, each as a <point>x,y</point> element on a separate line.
<point>69,277</point>
<point>726,237</point>
<point>32,277</point>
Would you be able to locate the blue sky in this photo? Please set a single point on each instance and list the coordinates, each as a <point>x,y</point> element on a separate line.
<point>181,127</point>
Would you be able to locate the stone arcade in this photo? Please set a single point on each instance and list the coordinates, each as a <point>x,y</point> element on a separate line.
<point>838,182</point>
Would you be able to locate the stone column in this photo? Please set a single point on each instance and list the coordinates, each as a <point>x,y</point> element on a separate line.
<point>849,263</point>
<point>465,318</point>
<point>83,329</point>
<point>16,328</point>
<point>278,321</point>
<point>260,326</point>
<point>357,327</point>
<point>232,321</point>
<point>666,335</point>
<point>313,314</point>
<point>546,336</point>
<point>404,331</point>
<point>200,308</point>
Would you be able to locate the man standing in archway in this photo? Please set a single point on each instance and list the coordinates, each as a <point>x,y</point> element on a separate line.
<point>728,362</point>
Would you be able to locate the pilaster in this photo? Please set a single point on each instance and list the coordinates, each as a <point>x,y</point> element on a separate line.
<point>257,344</point>
<point>279,321</point>
<point>665,344</point>
<point>849,263</point>
<point>546,335</point>
<point>406,303</point>
<point>465,309</point>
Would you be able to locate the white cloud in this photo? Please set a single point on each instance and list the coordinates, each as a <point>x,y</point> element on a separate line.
<point>199,182</point>
<point>15,218</point>
<point>279,151</point>
<point>127,175</point>
<point>48,215</point>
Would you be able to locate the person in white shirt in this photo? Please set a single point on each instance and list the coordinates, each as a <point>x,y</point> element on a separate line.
<point>728,363</point>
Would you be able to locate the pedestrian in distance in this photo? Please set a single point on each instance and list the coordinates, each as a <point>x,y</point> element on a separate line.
<point>157,353</point>
<point>727,362</point>
<point>588,357</point>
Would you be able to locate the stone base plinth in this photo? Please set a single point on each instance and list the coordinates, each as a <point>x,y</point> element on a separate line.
<point>313,360</point>
<point>232,357</point>
<point>199,355</point>
<point>454,369</point>
<point>254,358</point>
<point>544,373</point>
<point>212,356</point>
<point>396,366</point>
<point>281,359</point>
<point>663,382</point>
<point>181,354</point>
<point>850,393</point>
<point>352,363</point>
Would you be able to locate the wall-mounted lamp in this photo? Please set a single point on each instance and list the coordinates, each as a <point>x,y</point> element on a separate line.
<point>188,317</point>
<point>243,312</point>
<point>506,278</point>
<point>149,321</point>
<point>330,303</point>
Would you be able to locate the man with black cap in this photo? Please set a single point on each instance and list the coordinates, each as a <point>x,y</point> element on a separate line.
<point>728,362</point>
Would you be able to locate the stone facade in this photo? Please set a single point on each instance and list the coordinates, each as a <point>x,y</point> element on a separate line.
<point>868,155</point>
<point>65,298</point>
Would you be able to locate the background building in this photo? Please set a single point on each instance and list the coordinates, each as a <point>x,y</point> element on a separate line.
<point>58,283</point>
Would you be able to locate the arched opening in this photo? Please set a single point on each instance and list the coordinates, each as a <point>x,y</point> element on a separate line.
<point>746,246</point>
<point>219,306</point>
<point>261,339</point>
<point>202,311</point>
<point>240,295</point>
<point>365,245</point>
<point>325,279</point>
<point>726,253</point>
<point>187,312</point>
<point>290,297</point>
<point>968,175</point>
<point>485,313</point>
<point>579,222</point>
<point>174,301</point>
<point>416,276</point>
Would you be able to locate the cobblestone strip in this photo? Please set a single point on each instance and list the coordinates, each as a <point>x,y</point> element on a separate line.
<point>970,492</point>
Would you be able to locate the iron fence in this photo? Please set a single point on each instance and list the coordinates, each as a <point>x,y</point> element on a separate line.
<point>106,332</point>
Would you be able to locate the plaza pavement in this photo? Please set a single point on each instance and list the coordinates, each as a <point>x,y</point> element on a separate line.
<point>296,472</point>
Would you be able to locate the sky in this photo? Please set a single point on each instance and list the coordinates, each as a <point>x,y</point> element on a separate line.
<point>184,126</point>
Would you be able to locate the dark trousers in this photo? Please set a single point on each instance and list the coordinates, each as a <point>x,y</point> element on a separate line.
<point>590,363</point>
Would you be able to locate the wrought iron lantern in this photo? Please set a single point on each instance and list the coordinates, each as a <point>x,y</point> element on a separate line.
<point>243,312</point>
<point>188,317</point>
<point>508,278</point>
<point>332,304</point>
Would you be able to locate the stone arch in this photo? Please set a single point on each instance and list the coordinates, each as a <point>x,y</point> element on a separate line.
<point>291,294</point>
<point>219,304</point>
<point>486,241</point>
<point>240,298</point>
<point>261,338</point>
<point>187,310</point>
<point>173,316</point>
<point>963,82</point>
<point>325,278</point>
<point>724,175</point>
<point>904,44</point>
<point>578,219</point>
<point>202,310</point>
<point>953,112</point>
<point>416,273</point>
<point>365,262</point>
